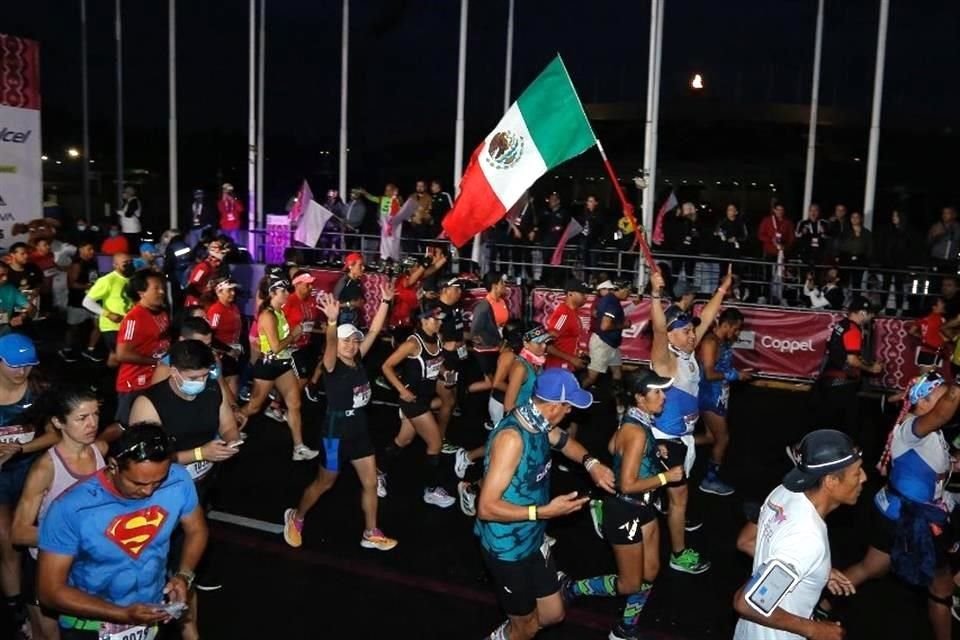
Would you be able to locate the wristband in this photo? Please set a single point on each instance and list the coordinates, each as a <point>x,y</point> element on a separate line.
<point>198,454</point>
<point>589,462</point>
<point>532,512</point>
<point>331,323</point>
<point>663,479</point>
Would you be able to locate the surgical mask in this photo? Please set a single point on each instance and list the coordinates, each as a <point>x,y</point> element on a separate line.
<point>128,269</point>
<point>532,358</point>
<point>190,387</point>
<point>114,233</point>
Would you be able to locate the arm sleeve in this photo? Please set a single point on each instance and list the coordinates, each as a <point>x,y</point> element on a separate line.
<point>57,532</point>
<point>92,306</point>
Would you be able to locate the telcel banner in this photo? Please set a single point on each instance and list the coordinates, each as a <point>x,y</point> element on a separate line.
<point>21,176</point>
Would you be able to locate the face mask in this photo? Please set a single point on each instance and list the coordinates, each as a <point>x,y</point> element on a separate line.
<point>128,270</point>
<point>114,233</point>
<point>532,358</point>
<point>81,227</point>
<point>191,387</point>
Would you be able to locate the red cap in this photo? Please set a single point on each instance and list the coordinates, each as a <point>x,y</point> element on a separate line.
<point>352,259</point>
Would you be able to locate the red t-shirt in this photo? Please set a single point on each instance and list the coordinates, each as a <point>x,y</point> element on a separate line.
<point>199,279</point>
<point>225,322</point>
<point>404,302</point>
<point>148,332</point>
<point>564,323</point>
<point>303,312</point>
<point>930,331</point>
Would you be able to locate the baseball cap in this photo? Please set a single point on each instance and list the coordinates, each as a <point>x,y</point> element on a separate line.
<point>559,385</point>
<point>17,350</point>
<point>606,284</point>
<point>646,379</point>
<point>227,186</point>
<point>431,310</point>
<point>349,332</point>
<point>226,283</point>
<point>352,259</point>
<point>677,318</point>
<point>538,335</point>
<point>820,453</point>
<point>454,282</point>
<point>303,277</point>
<point>859,303</point>
<point>148,247</point>
<point>276,283</point>
<point>577,286</point>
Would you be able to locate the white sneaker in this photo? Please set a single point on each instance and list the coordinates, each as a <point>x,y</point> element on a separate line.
<point>462,463</point>
<point>468,499</point>
<point>303,452</point>
<point>274,414</point>
<point>438,497</point>
<point>381,484</point>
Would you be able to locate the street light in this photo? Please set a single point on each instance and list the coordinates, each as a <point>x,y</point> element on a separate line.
<point>73,152</point>
<point>696,82</point>
<point>44,157</point>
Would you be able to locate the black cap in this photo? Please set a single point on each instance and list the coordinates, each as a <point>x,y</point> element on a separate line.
<point>677,318</point>
<point>820,453</point>
<point>646,379</point>
<point>578,287</point>
<point>859,303</point>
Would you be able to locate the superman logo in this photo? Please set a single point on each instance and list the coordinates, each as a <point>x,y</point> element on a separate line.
<point>132,532</point>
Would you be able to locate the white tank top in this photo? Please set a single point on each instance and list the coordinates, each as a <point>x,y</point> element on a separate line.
<point>63,479</point>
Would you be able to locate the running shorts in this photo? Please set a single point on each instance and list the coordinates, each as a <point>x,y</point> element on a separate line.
<point>341,450</point>
<point>305,361</point>
<point>522,582</point>
<point>883,531</point>
<point>602,355</point>
<point>271,369</point>
<point>623,520</point>
<point>714,398</point>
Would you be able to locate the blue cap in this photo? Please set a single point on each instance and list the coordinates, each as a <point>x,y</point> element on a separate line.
<point>559,385</point>
<point>17,350</point>
<point>148,247</point>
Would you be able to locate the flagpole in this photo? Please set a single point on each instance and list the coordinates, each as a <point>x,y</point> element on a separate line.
<point>84,98</point>
<point>252,130</point>
<point>873,151</point>
<point>653,99</point>
<point>261,120</point>
<point>508,71</point>
<point>814,104</point>
<point>628,209</point>
<point>118,35</point>
<point>172,129</point>
<point>344,87</point>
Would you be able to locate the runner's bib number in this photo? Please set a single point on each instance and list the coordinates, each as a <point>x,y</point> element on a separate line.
<point>433,369</point>
<point>462,352</point>
<point>307,326</point>
<point>199,469</point>
<point>690,421</point>
<point>16,434</point>
<point>110,631</point>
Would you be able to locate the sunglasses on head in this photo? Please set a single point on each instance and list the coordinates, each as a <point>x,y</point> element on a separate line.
<point>155,449</point>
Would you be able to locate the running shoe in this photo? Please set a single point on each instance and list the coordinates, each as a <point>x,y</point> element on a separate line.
<point>382,383</point>
<point>243,396</point>
<point>692,524</point>
<point>438,497</point>
<point>462,463</point>
<point>596,514</point>
<point>688,561</point>
<point>92,356</point>
<point>68,355</point>
<point>274,414</point>
<point>292,528</point>
<point>303,452</point>
<point>375,539</point>
<point>566,588</point>
<point>312,392</point>
<point>622,632</point>
<point>468,499</point>
<point>381,484</point>
<point>716,486</point>
<point>449,447</point>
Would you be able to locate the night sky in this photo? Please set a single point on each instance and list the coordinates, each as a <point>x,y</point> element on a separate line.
<point>404,60</point>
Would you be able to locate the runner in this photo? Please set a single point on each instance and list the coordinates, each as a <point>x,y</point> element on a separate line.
<point>453,340</point>
<point>629,519</point>
<point>109,290</point>
<point>793,534</point>
<point>275,366</point>
<point>517,370</point>
<point>349,291</point>
<point>227,324</point>
<point>22,438</point>
<point>421,355</point>
<point>346,436</point>
<point>607,336</point>
<point>75,413</point>
<point>715,357</point>
<point>81,276</point>
<point>910,534</point>
<point>104,544</point>
<point>199,289</point>
<point>514,503</point>
<point>143,339</point>
<point>490,316</point>
<point>301,310</point>
<point>675,337</point>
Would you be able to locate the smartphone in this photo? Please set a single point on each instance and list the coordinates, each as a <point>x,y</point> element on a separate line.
<point>173,609</point>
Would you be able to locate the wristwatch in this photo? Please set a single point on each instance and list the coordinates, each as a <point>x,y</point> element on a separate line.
<point>188,577</point>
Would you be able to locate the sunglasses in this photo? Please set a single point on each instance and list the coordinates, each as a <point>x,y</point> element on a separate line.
<point>155,449</point>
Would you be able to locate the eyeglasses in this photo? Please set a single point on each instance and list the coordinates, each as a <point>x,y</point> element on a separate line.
<point>154,449</point>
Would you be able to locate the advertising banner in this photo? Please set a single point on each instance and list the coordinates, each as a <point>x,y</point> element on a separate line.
<point>21,177</point>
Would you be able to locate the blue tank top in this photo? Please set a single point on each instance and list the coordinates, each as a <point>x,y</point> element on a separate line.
<point>717,392</point>
<point>17,427</point>
<point>681,411</point>
<point>649,463</point>
<point>512,541</point>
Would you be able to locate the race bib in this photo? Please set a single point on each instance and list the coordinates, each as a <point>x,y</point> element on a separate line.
<point>307,326</point>
<point>433,369</point>
<point>462,352</point>
<point>199,469</point>
<point>111,631</point>
<point>17,434</point>
<point>361,396</point>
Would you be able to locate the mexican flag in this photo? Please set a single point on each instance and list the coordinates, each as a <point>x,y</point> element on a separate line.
<point>545,127</point>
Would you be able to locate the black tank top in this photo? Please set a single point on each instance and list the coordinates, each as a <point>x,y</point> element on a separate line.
<point>348,388</point>
<point>420,372</point>
<point>88,275</point>
<point>192,422</point>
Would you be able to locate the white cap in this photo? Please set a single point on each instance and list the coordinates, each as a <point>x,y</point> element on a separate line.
<point>349,332</point>
<point>606,284</point>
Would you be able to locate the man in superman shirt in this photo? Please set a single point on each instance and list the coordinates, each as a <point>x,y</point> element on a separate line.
<point>104,543</point>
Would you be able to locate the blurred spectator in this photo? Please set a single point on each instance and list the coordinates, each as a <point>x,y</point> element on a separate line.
<point>43,259</point>
<point>776,237</point>
<point>830,296</point>
<point>552,223</point>
<point>813,237</point>
<point>944,241</point>
<point>147,257</point>
<point>897,246</point>
<point>595,231</point>
<point>731,233</point>
<point>114,243</point>
<point>356,218</point>
<point>839,226</point>
<point>442,202</point>
<point>84,233</point>
<point>422,223</point>
<point>14,305</point>
<point>682,236</point>
<point>202,216</point>
<point>856,250</point>
<point>231,212</point>
<point>129,216</point>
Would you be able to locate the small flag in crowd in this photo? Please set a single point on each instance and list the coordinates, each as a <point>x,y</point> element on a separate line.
<point>390,229</point>
<point>310,217</point>
<point>670,204</point>
<point>573,229</point>
<point>543,128</point>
